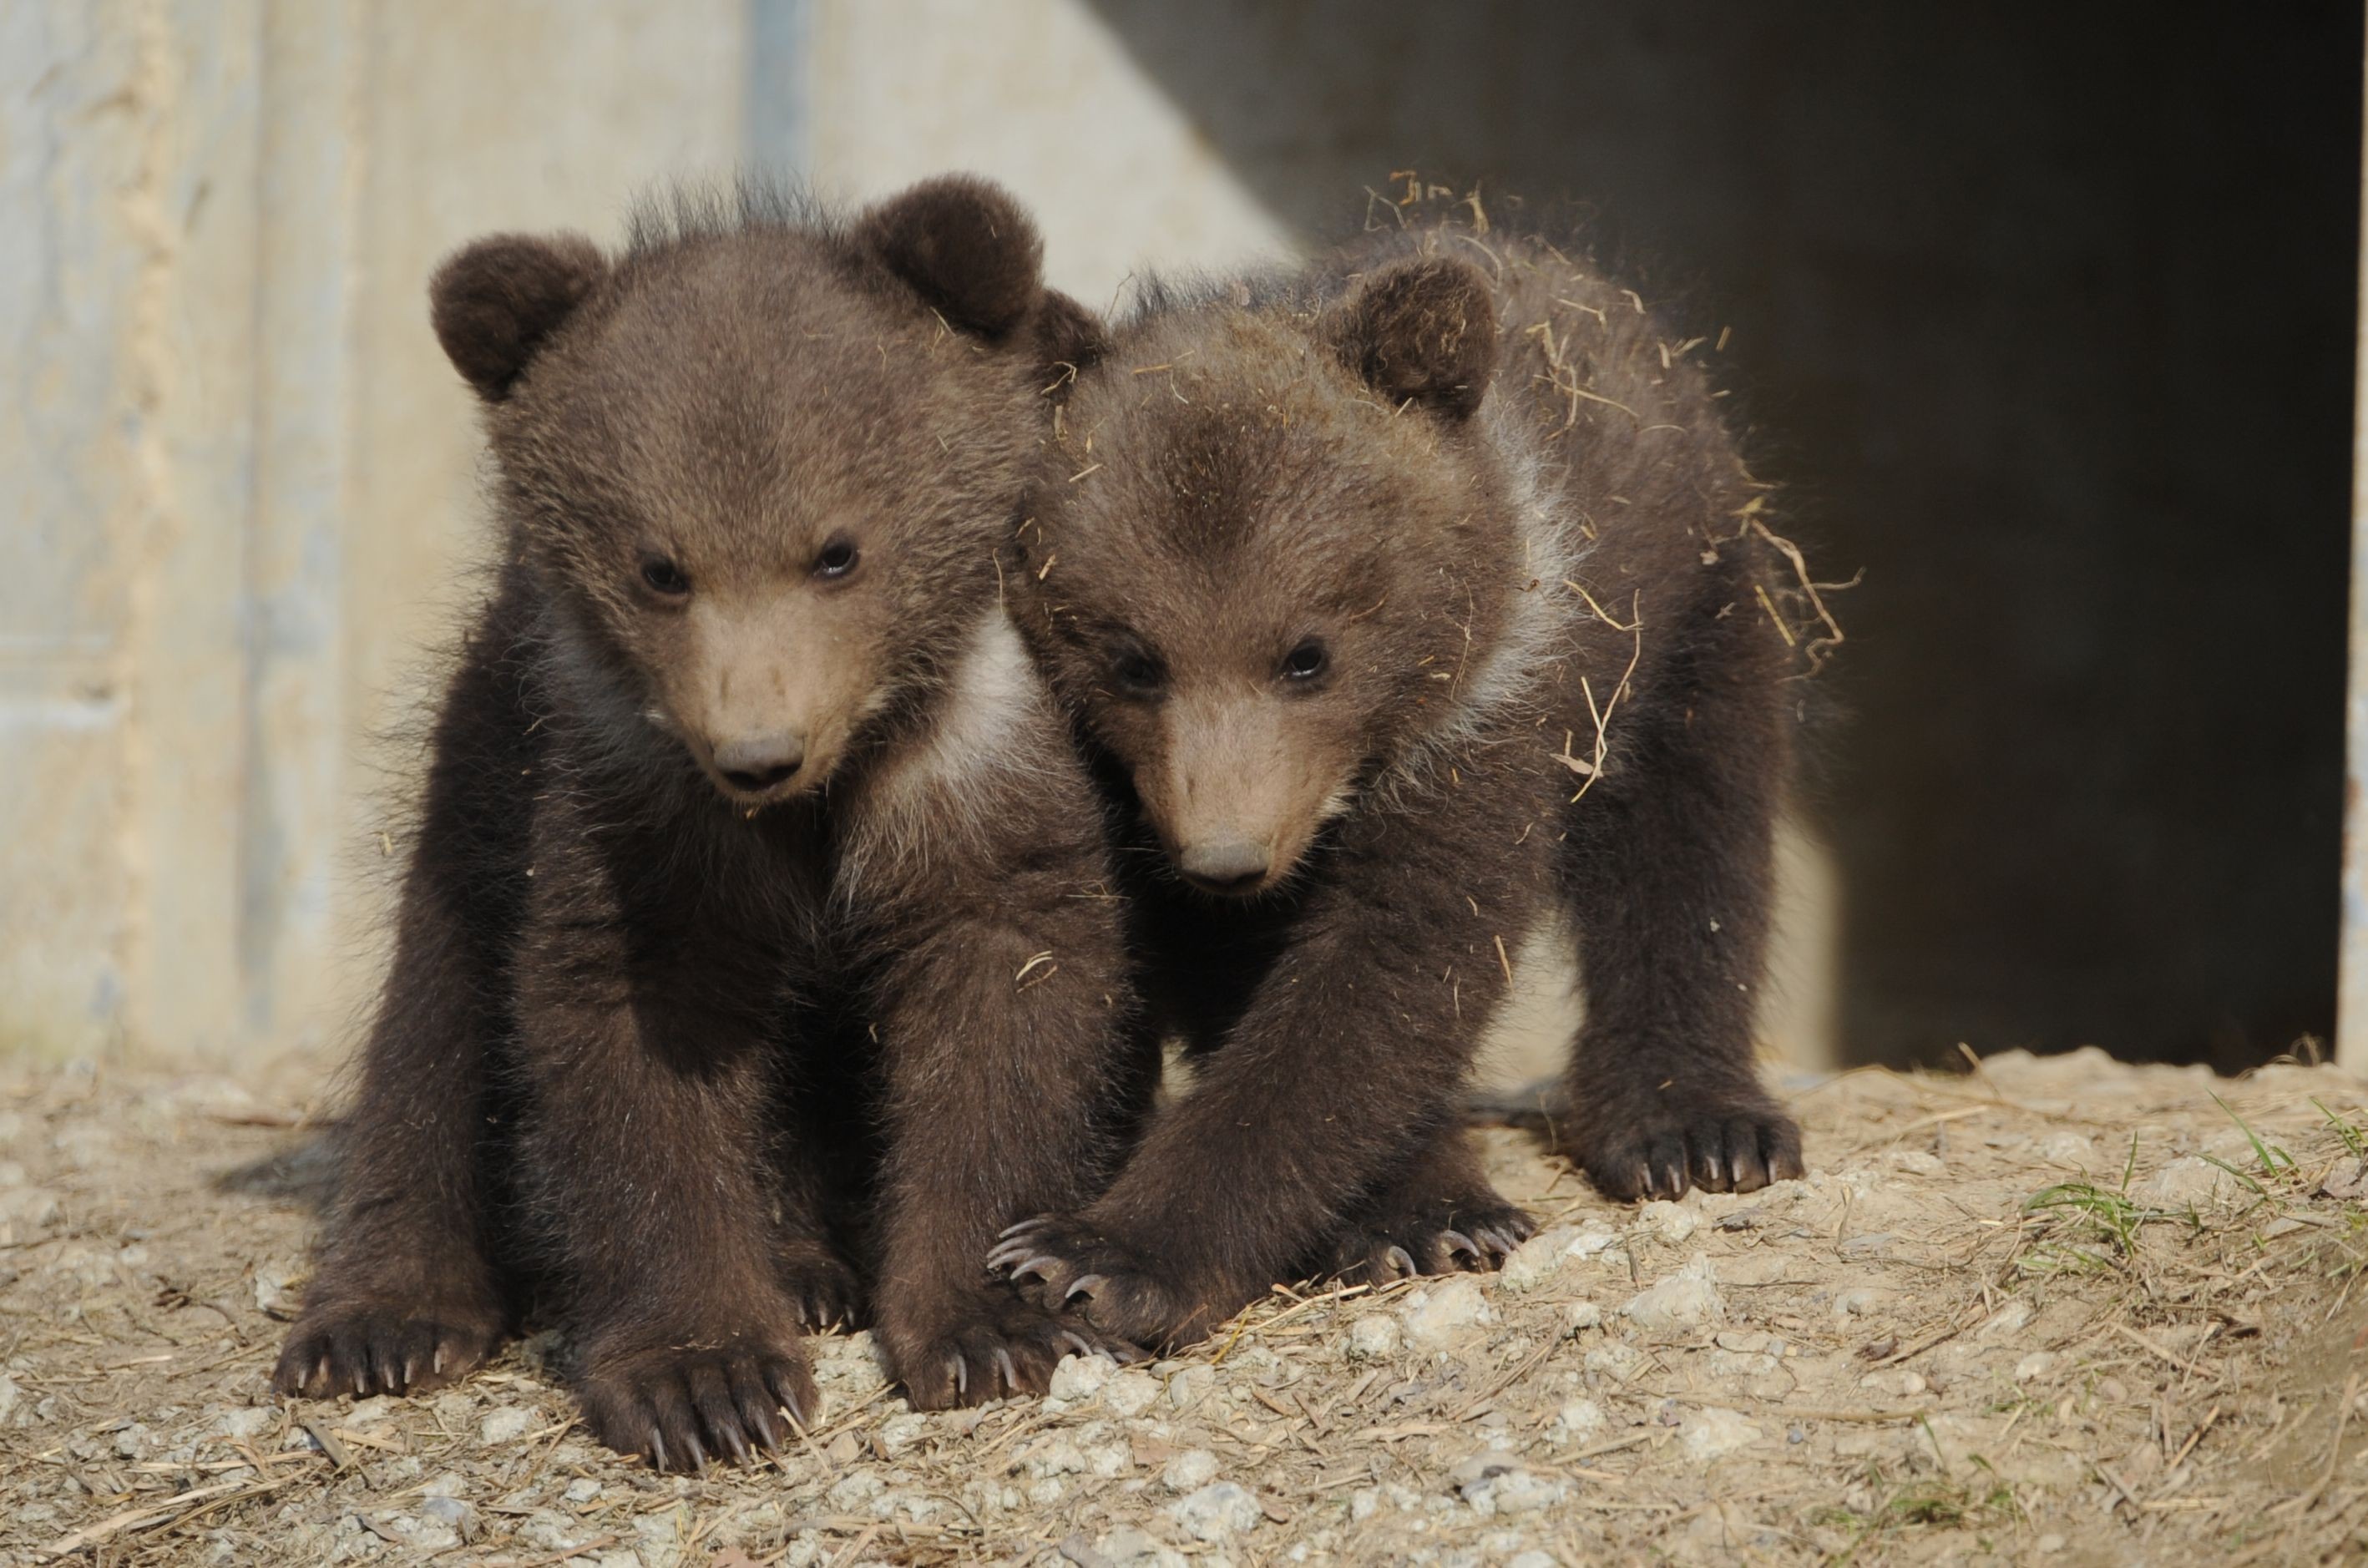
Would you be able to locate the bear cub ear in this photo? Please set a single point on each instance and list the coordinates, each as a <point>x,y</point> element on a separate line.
<point>965,245</point>
<point>1070,339</point>
<point>1421,330</point>
<point>496,301</point>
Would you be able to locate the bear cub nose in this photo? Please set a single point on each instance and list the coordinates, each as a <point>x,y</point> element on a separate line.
<point>756,763</point>
<point>1228,864</point>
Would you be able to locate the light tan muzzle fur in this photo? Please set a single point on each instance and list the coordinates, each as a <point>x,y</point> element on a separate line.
<point>766,689</point>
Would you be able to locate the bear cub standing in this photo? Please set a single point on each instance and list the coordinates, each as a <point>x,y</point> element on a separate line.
<point>755,962</point>
<point>1405,602</point>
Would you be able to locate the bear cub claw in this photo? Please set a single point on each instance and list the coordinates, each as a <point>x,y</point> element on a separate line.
<point>679,1407</point>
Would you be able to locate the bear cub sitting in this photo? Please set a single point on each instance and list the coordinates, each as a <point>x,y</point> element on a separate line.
<point>754,963</point>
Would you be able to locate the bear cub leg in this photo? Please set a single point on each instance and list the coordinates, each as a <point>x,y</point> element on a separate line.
<point>408,1296</point>
<point>646,1032</point>
<point>814,1158</point>
<point>1670,867</point>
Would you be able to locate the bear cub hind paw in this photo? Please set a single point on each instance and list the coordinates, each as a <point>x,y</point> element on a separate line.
<point>821,1286</point>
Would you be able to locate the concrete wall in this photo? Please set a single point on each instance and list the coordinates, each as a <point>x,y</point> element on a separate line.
<point>1044,96</point>
<point>236,479</point>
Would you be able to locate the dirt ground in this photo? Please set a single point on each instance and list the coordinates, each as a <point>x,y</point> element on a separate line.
<point>2053,1310</point>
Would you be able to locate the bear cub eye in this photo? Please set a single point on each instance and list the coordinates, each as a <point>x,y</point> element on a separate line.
<point>665,576</point>
<point>1304,661</point>
<point>1138,674</point>
<point>837,560</point>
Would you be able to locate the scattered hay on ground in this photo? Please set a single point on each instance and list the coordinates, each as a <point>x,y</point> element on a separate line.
<point>2060,1310</point>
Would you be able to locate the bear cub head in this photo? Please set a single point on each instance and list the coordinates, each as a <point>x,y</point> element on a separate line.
<point>759,463</point>
<point>1273,552</point>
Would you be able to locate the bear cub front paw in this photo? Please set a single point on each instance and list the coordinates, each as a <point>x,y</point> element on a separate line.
<point>1379,1247</point>
<point>1659,1143</point>
<point>1067,1264</point>
<point>987,1346</point>
<point>720,1396</point>
<point>362,1347</point>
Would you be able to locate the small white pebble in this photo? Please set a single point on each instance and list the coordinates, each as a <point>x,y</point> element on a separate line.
<point>1538,1260</point>
<point>1081,1377</point>
<point>369,1411</point>
<point>1055,1456</point>
<point>1130,1393</point>
<point>1216,1511</point>
<point>1616,1359</point>
<point>2008,1319</point>
<point>1688,1299</point>
<point>1189,1386</point>
<point>1667,1221</point>
<point>246,1423</point>
<point>1189,1470</point>
<point>451,1513</point>
<point>1592,1238</point>
<point>1373,1338</point>
<point>1127,1546</point>
<point>448,1483</point>
<point>1446,1311</point>
<point>901,1432</point>
<point>505,1425</point>
<point>1579,1419</point>
<point>1712,1432</point>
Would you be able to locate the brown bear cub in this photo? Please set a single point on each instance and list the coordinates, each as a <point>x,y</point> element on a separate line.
<point>755,961</point>
<point>1402,601</point>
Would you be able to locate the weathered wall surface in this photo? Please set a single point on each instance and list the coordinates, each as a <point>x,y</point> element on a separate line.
<point>235,477</point>
<point>1044,96</point>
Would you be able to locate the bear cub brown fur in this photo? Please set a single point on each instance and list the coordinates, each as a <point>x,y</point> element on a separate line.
<point>755,962</point>
<point>1406,603</point>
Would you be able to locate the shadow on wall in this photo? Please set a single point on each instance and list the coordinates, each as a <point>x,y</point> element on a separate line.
<point>2045,316</point>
